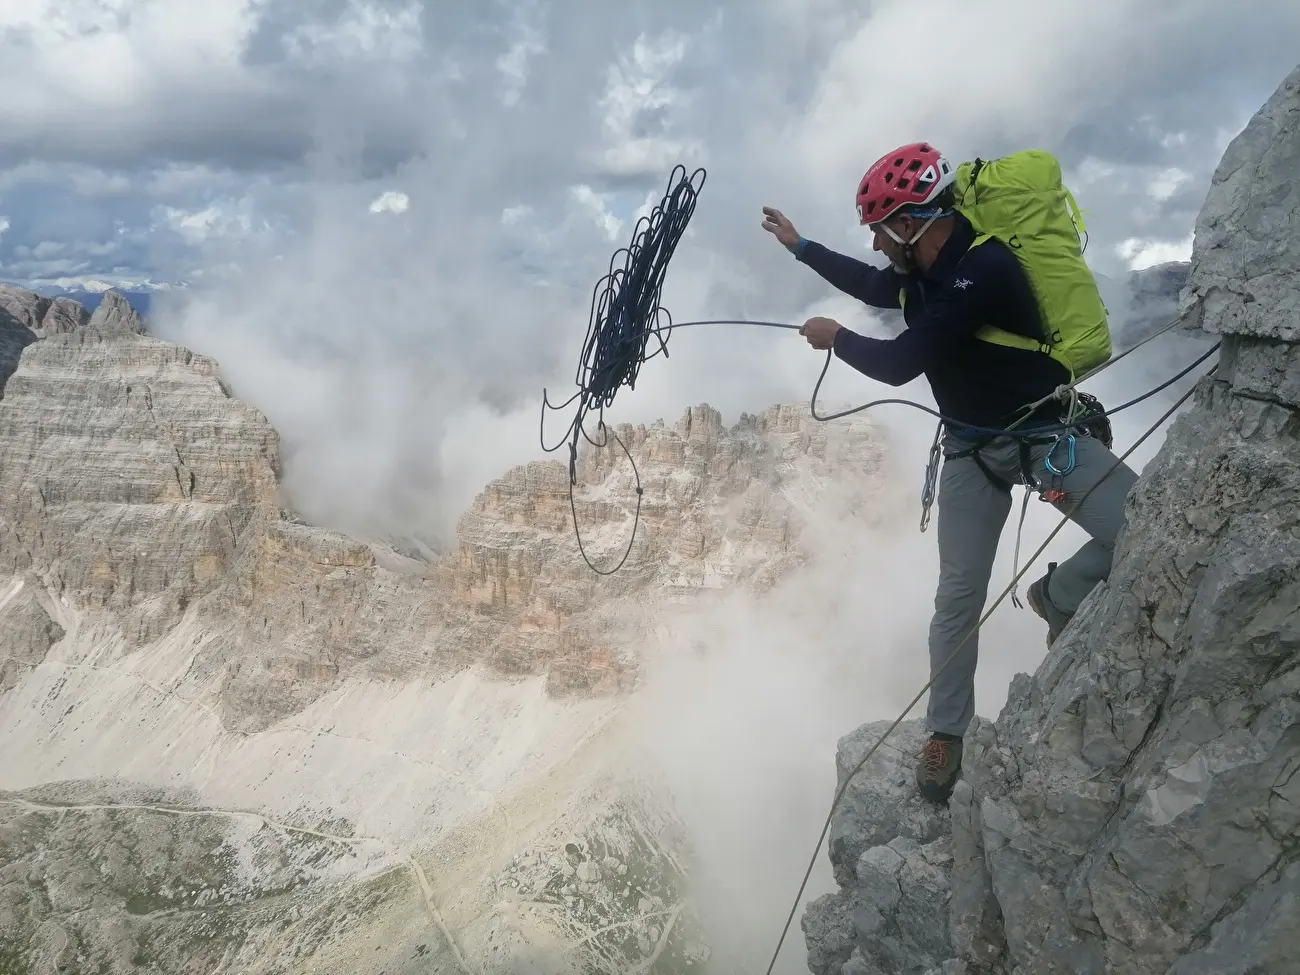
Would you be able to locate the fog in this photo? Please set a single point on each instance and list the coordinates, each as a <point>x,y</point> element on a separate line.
<point>397,305</point>
<point>413,264</point>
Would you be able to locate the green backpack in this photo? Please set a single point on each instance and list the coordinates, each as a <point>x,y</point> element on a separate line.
<point>1021,200</point>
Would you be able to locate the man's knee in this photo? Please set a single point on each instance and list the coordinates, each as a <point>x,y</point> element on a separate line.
<point>957,597</point>
<point>1097,498</point>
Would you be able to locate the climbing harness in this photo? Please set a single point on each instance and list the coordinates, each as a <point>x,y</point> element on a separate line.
<point>1084,416</point>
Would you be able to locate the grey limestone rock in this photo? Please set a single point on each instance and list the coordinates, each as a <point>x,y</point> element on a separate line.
<point>56,316</point>
<point>65,315</point>
<point>29,630</point>
<point>892,857</point>
<point>1263,935</point>
<point>14,338</point>
<point>1243,257</point>
<point>115,313</point>
<point>23,306</point>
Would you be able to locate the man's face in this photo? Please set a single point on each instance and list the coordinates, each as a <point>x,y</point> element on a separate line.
<point>904,228</point>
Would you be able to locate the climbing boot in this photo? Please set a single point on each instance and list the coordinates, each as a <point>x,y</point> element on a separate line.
<point>938,767</point>
<point>1041,603</point>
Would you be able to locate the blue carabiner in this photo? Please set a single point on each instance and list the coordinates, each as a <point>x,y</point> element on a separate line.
<point>1047,461</point>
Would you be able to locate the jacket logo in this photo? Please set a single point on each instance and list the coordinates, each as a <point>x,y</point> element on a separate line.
<point>962,283</point>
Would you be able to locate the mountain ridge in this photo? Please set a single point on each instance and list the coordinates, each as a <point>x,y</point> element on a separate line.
<point>141,299</point>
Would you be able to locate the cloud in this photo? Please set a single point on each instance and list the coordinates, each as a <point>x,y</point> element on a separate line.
<point>527,43</point>
<point>196,226</point>
<point>597,204</point>
<point>1141,253</point>
<point>743,704</point>
<point>245,149</point>
<point>639,84</point>
<point>1167,182</point>
<point>536,135</point>
<point>363,32</point>
<point>390,201</point>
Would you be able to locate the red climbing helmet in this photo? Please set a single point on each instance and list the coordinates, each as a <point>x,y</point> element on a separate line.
<point>912,174</point>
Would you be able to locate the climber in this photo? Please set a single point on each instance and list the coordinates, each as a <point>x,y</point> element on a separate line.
<point>948,289</point>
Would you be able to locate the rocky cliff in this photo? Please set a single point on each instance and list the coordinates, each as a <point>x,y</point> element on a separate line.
<point>1135,808</point>
<point>136,487</point>
<point>1144,301</point>
<point>236,737</point>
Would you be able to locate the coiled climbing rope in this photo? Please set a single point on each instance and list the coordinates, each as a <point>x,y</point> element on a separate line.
<point>626,316</point>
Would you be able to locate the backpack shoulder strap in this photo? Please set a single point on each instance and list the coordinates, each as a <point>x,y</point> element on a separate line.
<point>999,336</point>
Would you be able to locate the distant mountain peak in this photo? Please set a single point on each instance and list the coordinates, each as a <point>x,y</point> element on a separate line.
<point>91,292</point>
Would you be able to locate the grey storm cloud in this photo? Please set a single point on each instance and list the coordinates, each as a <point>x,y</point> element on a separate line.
<point>240,147</point>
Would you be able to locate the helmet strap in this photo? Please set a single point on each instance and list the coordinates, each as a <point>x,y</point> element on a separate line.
<point>915,237</point>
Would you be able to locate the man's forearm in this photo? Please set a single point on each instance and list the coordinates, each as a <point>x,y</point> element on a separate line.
<point>894,362</point>
<point>860,280</point>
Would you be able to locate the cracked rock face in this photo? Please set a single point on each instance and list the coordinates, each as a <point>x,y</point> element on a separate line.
<point>892,853</point>
<point>29,630</point>
<point>1136,806</point>
<point>130,474</point>
<point>15,336</point>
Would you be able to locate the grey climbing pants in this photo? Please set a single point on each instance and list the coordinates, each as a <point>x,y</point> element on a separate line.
<point>971,514</point>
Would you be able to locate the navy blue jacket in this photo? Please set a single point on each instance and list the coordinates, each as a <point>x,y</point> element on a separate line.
<point>973,381</point>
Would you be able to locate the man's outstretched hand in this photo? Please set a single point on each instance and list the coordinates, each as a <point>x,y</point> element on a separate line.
<point>779,226</point>
<point>820,332</point>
